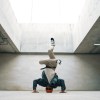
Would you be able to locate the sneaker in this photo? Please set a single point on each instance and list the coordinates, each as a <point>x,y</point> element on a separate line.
<point>52,42</point>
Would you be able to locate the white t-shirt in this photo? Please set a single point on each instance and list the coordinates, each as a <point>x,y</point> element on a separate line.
<point>49,73</point>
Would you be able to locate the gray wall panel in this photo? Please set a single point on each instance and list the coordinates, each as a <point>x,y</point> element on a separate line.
<point>80,72</point>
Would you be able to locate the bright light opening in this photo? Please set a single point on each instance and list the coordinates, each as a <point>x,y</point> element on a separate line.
<point>47,11</point>
<point>97,44</point>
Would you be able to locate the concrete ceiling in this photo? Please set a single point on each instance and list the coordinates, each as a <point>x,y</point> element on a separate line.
<point>6,45</point>
<point>86,46</point>
<point>93,37</point>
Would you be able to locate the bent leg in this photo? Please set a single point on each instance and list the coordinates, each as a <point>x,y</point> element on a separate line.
<point>40,82</point>
<point>43,62</point>
<point>51,54</point>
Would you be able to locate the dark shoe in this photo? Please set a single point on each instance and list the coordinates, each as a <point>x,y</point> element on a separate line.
<point>52,42</point>
<point>52,39</point>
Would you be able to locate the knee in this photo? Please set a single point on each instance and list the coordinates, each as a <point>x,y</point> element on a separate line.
<point>62,80</point>
<point>34,81</point>
<point>49,51</point>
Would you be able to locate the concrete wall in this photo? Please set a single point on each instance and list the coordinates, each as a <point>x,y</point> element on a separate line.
<point>36,37</point>
<point>87,18</point>
<point>9,22</point>
<point>80,72</point>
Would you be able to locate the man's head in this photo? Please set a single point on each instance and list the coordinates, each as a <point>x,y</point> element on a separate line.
<point>49,89</point>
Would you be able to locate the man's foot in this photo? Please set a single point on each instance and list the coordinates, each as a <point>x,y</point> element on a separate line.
<point>34,91</point>
<point>62,91</point>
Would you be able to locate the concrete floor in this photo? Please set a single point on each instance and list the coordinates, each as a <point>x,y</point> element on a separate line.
<point>70,95</point>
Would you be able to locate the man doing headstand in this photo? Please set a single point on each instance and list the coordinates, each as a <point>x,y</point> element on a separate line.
<point>49,78</point>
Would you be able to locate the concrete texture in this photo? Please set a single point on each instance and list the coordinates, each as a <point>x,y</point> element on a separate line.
<point>70,95</point>
<point>93,37</point>
<point>6,45</point>
<point>80,72</point>
<point>17,71</point>
<point>87,18</point>
<point>36,37</point>
<point>9,23</point>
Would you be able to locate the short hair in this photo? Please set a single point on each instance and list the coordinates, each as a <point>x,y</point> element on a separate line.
<point>49,88</point>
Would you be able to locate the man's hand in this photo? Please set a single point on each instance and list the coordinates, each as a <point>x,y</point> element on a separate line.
<point>34,91</point>
<point>63,92</point>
